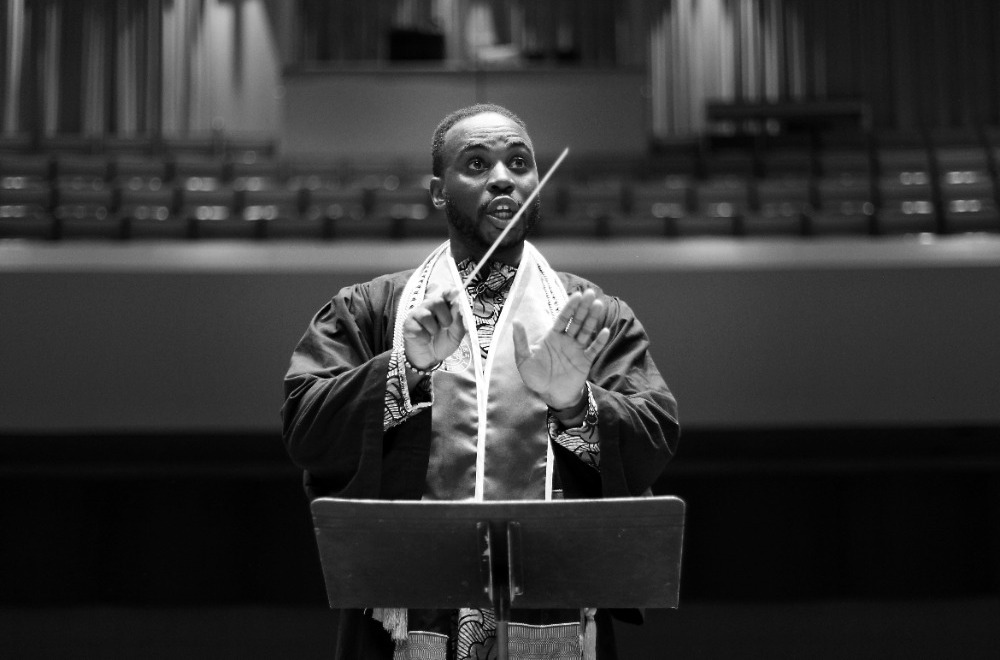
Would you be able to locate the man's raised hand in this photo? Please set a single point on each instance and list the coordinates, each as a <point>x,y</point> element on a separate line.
<point>433,329</point>
<point>556,367</point>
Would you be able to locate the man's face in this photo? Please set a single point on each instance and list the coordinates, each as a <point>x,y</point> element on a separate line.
<point>489,172</point>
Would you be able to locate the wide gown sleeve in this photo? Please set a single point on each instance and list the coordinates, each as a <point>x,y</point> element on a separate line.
<point>638,427</point>
<point>335,390</point>
<point>333,416</point>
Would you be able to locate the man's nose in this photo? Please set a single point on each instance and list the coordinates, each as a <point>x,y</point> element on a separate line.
<point>501,182</point>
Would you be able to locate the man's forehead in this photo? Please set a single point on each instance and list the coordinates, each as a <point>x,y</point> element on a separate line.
<point>487,130</point>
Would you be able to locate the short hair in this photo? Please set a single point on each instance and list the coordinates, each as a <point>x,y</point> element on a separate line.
<point>437,143</point>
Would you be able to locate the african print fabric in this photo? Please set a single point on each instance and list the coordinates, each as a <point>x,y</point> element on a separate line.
<point>486,298</point>
<point>487,294</point>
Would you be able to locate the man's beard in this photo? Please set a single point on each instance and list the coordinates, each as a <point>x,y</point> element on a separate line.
<point>469,227</point>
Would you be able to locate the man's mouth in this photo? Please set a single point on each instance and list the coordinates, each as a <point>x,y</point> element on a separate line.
<point>502,208</point>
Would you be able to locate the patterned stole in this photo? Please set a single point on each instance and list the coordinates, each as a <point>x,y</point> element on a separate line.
<point>484,448</point>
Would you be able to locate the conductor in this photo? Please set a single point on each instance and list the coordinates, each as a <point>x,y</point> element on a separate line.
<point>525,384</point>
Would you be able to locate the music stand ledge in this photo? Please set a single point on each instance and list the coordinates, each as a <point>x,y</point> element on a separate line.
<point>612,553</point>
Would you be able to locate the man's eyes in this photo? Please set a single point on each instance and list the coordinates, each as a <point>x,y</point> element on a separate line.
<point>480,164</point>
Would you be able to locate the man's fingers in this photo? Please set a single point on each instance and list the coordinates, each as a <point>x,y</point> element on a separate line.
<point>592,320</point>
<point>440,303</point>
<point>427,320</point>
<point>457,327</point>
<point>582,316</point>
<point>564,319</point>
<point>596,346</point>
<point>442,313</point>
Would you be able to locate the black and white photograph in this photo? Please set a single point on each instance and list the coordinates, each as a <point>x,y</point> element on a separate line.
<point>500,329</point>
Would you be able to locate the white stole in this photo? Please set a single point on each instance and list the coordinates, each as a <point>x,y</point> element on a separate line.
<point>490,439</point>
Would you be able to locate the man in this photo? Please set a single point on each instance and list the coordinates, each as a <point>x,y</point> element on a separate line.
<point>528,384</point>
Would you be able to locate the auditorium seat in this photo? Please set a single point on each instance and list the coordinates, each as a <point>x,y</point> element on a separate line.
<point>961,164</point>
<point>378,173</point>
<point>82,170</point>
<point>209,202</point>
<point>198,172</point>
<point>782,202</point>
<point>204,192</point>
<point>971,214</point>
<point>405,208</point>
<point>653,207</point>
<point>253,173</point>
<point>147,201</point>
<point>719,204</point>
<point>205,200</point>
<point>723,197</point>
<point>904,185</point>
<point>270,204</point>
<point>966,183</point>
<point>25,211</point>
<point>903,162</point>
<point>907,206</point>
<point>25,170</point>
<point>151,214</point>
<point>781,184</point>
<point>785,196</point>
<point>139,171</point>
<point>25,201</point>
<point>314,174</point>
<point>84,199</point>
<point>25,195</point>
<point>845,205</point>
<point>343,213</point>
<point>968,200</point>
<point>263,191</point>
<point>584,209</point>
<point>84,203</point>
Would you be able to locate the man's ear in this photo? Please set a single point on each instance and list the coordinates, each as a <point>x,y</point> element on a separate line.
<point>437,192</point>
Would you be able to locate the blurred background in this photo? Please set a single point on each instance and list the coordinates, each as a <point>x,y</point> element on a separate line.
<point>797,197</point>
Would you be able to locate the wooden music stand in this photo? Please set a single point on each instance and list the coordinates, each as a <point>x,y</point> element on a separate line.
<point>614,553</point>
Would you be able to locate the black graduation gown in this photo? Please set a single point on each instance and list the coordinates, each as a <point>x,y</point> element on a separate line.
<point>334,410</point>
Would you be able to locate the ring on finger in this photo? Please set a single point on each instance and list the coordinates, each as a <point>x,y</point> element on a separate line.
<point>568,324</point>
